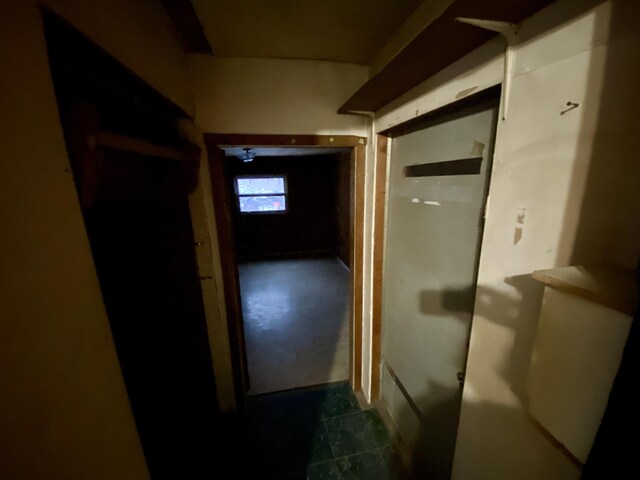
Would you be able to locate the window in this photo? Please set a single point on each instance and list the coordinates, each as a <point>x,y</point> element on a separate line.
<point>263,194</point>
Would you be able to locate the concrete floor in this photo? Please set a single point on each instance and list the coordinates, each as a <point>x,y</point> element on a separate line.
<point>296,319</point>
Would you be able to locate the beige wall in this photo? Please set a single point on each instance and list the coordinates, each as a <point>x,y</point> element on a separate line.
<point>245,95</point>
<point>64,411</point>
<point>570,177</point>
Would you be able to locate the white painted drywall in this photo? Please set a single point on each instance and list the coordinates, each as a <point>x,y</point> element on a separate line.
<point>245,95</point>
<point>555,177</point>
<point>64,411</point>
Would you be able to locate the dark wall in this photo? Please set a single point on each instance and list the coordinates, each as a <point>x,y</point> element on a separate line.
<point>310,223</point>
<point>137,217</point>
<point>143,253</point>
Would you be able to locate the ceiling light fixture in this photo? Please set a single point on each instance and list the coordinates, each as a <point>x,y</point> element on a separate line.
<point>247,156</point>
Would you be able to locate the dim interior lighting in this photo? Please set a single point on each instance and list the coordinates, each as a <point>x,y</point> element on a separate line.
<point>248,155</point>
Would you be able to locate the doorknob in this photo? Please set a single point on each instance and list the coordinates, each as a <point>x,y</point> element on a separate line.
<point>460,377</point>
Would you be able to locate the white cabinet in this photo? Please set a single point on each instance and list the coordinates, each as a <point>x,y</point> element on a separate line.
<point>584,322</point>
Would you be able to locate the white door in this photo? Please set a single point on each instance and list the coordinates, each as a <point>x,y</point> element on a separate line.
<point>437,193</point>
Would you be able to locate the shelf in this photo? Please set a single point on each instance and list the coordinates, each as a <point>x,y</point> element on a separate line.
<point>440,44</point>
<point>609,286</point>
<point>123,143</point>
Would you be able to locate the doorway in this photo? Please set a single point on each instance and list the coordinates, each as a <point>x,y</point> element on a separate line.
<point>289,241</point>
<point>294,278</point>
<point>438,181</point>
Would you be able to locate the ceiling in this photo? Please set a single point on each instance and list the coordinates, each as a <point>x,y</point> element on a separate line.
<point>338,30</point>
<point>285,151</point>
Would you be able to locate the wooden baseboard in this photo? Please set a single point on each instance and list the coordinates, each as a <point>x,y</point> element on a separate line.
<point>343,264</point>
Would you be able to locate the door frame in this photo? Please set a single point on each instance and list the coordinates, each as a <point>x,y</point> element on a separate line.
<point>223,213</point>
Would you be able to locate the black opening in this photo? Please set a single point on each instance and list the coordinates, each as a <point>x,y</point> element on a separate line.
<point>137,216</point>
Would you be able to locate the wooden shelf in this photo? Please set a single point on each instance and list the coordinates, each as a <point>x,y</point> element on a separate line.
<point>609,286</point>
<point>440,44</point>
<point>123,143</point>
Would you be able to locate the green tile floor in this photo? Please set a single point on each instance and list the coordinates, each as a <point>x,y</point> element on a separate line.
<point>317,433</point>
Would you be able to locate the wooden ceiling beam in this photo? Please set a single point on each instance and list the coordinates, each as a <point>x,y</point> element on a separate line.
<point>188,25</point>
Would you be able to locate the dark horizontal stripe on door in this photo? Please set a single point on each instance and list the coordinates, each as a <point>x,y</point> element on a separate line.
<point>464,166</point>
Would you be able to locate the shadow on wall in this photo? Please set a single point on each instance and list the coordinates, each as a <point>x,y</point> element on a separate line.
<point>495,424</point>
<point>606,224</point>
<point>602,221</point>
<point>518,310</point>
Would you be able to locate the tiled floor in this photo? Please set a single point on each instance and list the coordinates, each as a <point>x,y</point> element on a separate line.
<point>296,322</point>
<point>317,433</point>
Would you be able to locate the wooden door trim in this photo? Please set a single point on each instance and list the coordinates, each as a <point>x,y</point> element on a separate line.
<point>260,140</point>
<point>230,279</point>
<point>357,265</point>
<point>380,196</point>
<point>214,142</point>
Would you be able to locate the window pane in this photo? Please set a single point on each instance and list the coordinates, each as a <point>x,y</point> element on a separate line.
<point>249,186</point>
<point>276,203</point>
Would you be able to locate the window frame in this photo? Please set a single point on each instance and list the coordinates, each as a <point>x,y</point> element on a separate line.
<point>284,194</point>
